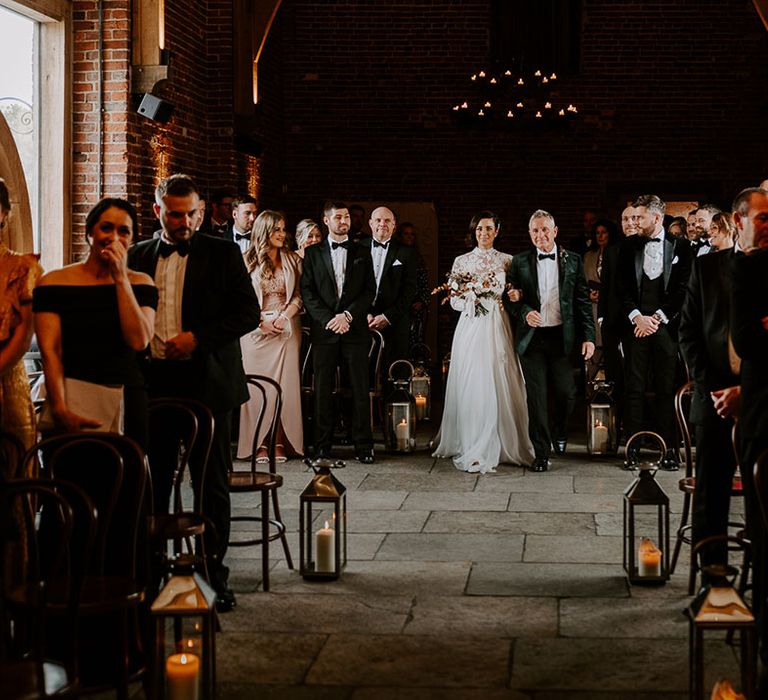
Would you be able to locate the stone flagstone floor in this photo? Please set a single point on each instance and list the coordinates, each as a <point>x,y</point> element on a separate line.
<point>506,585</point>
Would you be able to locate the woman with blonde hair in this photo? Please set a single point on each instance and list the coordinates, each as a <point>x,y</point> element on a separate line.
<point>307,233</point>
<point>272,349</point>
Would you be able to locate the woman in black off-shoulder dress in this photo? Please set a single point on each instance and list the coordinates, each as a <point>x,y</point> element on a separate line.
<point>93,318</point>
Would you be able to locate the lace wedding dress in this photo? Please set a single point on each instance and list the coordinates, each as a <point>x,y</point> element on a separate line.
<point>485,417</point>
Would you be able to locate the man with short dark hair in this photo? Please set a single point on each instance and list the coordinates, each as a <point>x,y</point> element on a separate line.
<point>699,237</point>
<point>244,213</point>
<point>206,303</point>
<point>357,223</point>
<point>219,223</point>
<point>652,274</point>
<point>338,288</point>
<point>749,330</point>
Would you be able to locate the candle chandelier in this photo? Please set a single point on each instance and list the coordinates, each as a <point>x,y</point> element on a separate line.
<point>504,98</point>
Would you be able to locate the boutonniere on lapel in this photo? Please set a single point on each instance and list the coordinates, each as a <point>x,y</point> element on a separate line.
<point>562,257</point>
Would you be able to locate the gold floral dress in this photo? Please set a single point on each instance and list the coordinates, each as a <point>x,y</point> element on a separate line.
<point>18,276</point>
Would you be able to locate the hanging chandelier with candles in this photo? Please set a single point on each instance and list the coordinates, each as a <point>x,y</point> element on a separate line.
<point>497,99</point>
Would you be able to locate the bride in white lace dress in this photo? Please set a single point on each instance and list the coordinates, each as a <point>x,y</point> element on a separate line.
<point>485,417</point>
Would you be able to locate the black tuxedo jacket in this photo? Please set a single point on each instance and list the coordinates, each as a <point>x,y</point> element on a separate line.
<point>575,306</point>
<point>609,307</point>
<point>207,228</point>
<point>397,287</point>
<point>218,305</point>
<point>704,327</point>
<point>318,290</point>
<point>677,269</point>
<point>749,308</point>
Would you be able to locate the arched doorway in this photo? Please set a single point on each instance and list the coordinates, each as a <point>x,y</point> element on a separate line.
<point>20,223</point>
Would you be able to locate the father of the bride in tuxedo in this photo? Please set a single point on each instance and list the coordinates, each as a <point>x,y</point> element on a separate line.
<point>552,316</point>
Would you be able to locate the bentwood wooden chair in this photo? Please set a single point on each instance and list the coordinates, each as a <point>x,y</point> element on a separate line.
<point>47,530</point>
<point>181,526</point>
<point>264,483</point>
<point>113,470</point>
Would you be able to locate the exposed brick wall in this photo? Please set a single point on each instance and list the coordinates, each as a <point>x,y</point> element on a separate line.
<point>671,96</point>
<point>355,103</point>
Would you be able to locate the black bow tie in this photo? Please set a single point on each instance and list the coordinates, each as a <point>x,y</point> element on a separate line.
<point>182,248</point>
<point>547,256</point>
<point>376,244</point>
<point>652,240</point>
<point>242,236</point>
<point>343,244</point>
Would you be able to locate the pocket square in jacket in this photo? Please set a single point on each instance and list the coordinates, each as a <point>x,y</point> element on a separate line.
<point>396,263</point>
<point>675,260</point>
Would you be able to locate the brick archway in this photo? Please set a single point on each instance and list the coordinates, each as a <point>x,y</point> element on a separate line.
<point>20,223</point>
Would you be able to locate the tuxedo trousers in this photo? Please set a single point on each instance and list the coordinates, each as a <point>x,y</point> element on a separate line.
<point>545,365</point>
<point>354,357</point>
<point>715,467</point>
<point>657,352</point>
<point>169,378</point>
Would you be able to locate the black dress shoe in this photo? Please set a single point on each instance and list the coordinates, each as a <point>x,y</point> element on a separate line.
<point>671,461</point>
<point>225,600</point>
<point>559,445</point>
<point>364,457</point>
<point>540,464</point>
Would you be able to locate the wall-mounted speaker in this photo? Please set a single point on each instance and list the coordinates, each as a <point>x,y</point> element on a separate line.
<point>155,109</point>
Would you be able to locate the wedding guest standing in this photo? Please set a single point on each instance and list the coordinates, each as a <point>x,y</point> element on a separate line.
<point>485,418</point>
<point>93,317</point>
<point>18,275</point>
<point>307,233</point>
<point>749,330</point>
<point>338,288</point>
<point>652,273</point>
<point>272,349</point>
<point>552,318</point>
<point>722,231</point>
<point>394,268</point>
<point>207,302</point>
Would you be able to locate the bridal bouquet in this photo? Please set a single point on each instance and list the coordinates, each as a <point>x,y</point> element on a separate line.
<point>472,289</point>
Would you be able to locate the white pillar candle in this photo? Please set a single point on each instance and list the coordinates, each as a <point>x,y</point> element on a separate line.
<point>648,559</point>
<point>421,406</point>
<point>325,541</point>
<point>599,437</point>
<point>182,672</point>
<point>401,433</point>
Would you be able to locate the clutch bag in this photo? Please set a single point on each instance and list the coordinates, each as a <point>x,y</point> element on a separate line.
<point>95,401</point>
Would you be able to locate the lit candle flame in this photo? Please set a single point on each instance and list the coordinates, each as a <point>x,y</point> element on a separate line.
<point>493,81</point>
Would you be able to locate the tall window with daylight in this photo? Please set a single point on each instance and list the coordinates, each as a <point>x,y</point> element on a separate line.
<point>19,101</point>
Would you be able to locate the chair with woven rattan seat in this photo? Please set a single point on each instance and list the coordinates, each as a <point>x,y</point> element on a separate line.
<point>46,586</point>
<point>190,428</point>
<point>687,484</point>
<point>112,469</point>
<point>264,483</point>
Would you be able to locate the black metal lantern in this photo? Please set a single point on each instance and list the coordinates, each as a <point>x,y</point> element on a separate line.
<point>401,411</point>
<point>720,608</point>
<point>323,553</point>
<point>602,433</point>
<point>645,561</point>
<point>189,601</point>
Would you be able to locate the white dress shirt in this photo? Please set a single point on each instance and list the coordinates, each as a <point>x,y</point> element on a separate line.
<point>653,256</point>
<point>339,259</point>
<point>379,255</point>
<point>243,243</point>
<point>549,289</point>
<point>169,279</point>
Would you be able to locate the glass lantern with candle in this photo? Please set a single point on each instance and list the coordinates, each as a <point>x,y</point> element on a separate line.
<point>186,603</point>
<point>400,423</point>
<point>421,383</point>
<point>646,557</point>
<point>602,435</point>
<point>323,550</point>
